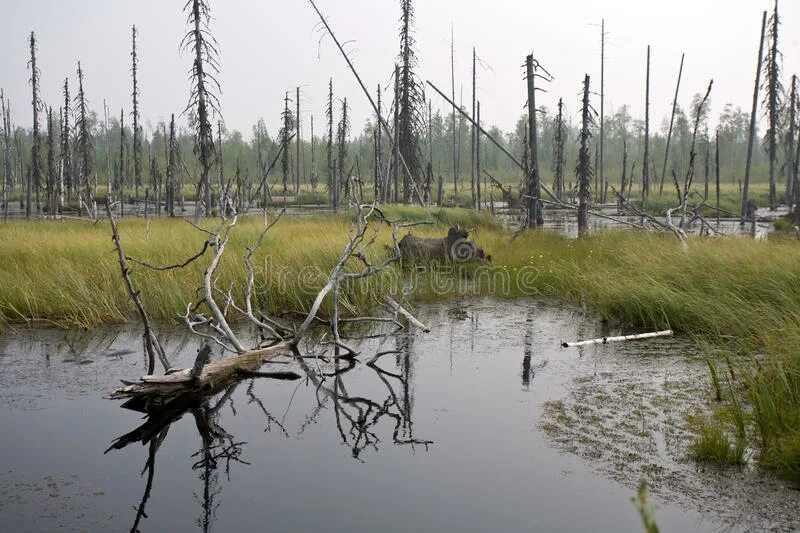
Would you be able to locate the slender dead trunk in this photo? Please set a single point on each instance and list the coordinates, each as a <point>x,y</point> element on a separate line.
<point>716,170</point>
<point>35,175</point>
<point>752,133</point>
<point>122,177</point>
<point>66,155</point>
<point>601,167</point>
<point>535,216</point>
<point>107,150</point>
<point>646,160</point>
<point>478,153</point>
<point>453,94</point>
<point>297,144</point>
<point>792,144</point>
<point>472,133</point>
<point>396,195</point>
<point>50,182</point>
<point>558,155</point>
<point>331,170</point>
<point>774,89</point>
<point>584,163</point>
<point>6,154</point>
<point>671,123</point>
<point>137,135</point>
<point>171,168</point>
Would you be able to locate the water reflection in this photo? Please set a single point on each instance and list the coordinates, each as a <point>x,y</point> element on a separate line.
<point>362,420</point>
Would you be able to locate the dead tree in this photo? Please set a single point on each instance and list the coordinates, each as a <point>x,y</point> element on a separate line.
<point>287,121</point>
<point>453,94</point>
<point>687,183</point>
<point>50,182</point>
<point>7,172</point>
<point>158,393</point>
<point>84,147</point>
<point>297,143</point>
<point>410,101</point>
<point>205,86</point>
<point>381,120</point>
<point>559,141</point>
<point>792,143</point>
<point>122,178</point>
<point>646,157</point>
<point>671,123</point>
<point>332,181</point>
<point>137,134</point>
<point>66,150</point>
<point>474,174</point>
<point>35,176</point>
<point>533,183</point>
<point>773,101</point>
<point>342,133</point>
<point>752,133</point>
<point>171,148</point>
<point>601,166</point>
<point>584,171</point>
<point>624,179</point>
<point>478,153</point>
<point>716,170</point>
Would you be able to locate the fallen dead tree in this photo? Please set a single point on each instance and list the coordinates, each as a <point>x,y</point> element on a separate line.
<point>152,392</point>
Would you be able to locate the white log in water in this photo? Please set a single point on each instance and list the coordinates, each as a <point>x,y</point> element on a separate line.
<point>606,340</point>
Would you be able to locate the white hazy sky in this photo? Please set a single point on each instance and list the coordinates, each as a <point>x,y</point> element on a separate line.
<point>268,47</point>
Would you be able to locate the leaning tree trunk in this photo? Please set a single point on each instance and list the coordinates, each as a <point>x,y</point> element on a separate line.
<point>671,123</point>
<point>752,134</point>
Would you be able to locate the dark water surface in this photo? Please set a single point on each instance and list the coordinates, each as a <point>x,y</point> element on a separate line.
<point>446,438</point>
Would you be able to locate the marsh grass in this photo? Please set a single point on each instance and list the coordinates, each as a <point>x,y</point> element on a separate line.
<point>714,445</point>
<point>738,295</point>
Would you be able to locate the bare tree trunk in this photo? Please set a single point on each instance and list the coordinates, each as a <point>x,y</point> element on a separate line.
<point>297,144</point>
<point>137,136</point>
<point>601,167</point>
<point>773,107</point>
<point>453,93</point>
<point>478,154</point>
<point>6,154</point>
<point>716,170</point>
<point>396,195</point>
<point>584,164</point>
<point>794,103</point>
<point>671,123</point>
<point>223,192</point>
<point>752,134</point>
<point>331,170</point>
<point>171,169</point>
<point>107,148</point>
<point>558,156</point>
<point>473,155</point>
<point>534,193</point>
<point>34,176</point>
<point>646,161</point>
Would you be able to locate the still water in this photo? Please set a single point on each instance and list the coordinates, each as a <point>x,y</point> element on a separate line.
<point>446,434</point>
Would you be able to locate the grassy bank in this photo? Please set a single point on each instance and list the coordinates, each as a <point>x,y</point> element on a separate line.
<point>739,297</point>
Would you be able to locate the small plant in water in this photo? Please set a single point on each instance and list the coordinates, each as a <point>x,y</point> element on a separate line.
<point>714,445</point>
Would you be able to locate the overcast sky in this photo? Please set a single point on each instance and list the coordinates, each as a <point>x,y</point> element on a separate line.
<point>270,46</point>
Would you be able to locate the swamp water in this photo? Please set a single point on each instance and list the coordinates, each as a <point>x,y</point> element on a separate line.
<point>484,424</point>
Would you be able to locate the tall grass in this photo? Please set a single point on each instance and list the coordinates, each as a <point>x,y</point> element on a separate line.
<point>738,295</point>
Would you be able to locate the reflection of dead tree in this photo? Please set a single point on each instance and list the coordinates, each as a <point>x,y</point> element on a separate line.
<point>357,417</point>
